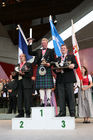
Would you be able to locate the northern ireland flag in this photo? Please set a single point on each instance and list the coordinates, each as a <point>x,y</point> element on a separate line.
<point>76,53</point>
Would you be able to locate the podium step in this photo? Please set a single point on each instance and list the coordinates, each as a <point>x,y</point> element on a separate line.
<point>42,112</point>
<point>43,118</point>
<point>60,123</point>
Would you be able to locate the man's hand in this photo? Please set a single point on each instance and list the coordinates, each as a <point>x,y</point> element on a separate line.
<point>71,66</point>
<point>21,73</point>
<point>58,70</point>
<point>10,90</point>
<point>84,88</point>
<point>47,64</point>
<point>33,78</point>
<point>30,41</point>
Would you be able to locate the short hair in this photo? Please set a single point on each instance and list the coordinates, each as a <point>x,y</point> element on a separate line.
<point>23,54</point>
<point>44,39</point>
<point>64,45</point>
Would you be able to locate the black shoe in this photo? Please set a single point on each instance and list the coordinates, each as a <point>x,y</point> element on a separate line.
<point>48,104</point>
<point>9,112</point>
<point>19,116</point>
<point>72,115</point>
<point>61,115</point>
<point>42,105</point>
<point>84,121</point>
<point>27,116</point>
<point>88,121</point>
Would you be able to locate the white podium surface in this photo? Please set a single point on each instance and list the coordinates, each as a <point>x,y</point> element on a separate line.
<point>42,112</point>
<point>43,118</point>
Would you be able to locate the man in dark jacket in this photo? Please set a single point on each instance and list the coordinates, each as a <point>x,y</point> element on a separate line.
<point>24,87</point>
<point>65,80</point>
<point>12,87</point>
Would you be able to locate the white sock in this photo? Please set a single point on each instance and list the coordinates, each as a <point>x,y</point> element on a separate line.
<point>42,95</point>
<point>48,93</point>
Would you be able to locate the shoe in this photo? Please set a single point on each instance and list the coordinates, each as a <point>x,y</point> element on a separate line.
<point>48,104</point>
<point>42,105</point>
<point>88,122</point>
<point>84,121</point>
<point>9,112</point>
<point>72,115</point>
<point>61,115</point>
<point>19,116</point>
<point>27,116</point>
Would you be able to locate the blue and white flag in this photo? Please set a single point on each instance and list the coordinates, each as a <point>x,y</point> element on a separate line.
<point>57,40</point>
<point>23,45</point>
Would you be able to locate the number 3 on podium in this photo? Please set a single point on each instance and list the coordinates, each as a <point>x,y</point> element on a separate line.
<point>63,124</point>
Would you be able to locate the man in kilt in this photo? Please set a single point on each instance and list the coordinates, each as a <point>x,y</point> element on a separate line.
<point>44,78</point>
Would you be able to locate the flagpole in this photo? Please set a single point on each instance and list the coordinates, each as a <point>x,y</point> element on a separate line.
<point>72,21</point>
<point>30,34</point>
<point>50,18</point>
<point>19,27</point>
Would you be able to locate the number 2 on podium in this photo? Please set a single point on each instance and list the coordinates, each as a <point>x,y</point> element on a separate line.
<point>21,124</point>
<point>41,111</point>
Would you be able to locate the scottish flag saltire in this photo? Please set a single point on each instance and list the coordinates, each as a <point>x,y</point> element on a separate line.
<point>57,40</point>
<point>23,45</point>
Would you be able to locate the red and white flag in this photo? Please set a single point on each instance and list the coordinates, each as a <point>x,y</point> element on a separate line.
<point>76,53</point>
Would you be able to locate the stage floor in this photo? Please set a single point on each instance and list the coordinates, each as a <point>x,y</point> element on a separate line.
<point>82,132</point>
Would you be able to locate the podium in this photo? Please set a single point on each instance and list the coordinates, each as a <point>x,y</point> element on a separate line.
<point>43,118</point>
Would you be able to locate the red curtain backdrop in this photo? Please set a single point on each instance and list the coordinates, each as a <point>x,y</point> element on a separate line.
<point>8,68</point>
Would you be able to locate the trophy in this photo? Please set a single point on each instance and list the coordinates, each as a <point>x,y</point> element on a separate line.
<point>42,69</point>
<point>62,65</point>
<point>17,68</point>
<point>25,68</point>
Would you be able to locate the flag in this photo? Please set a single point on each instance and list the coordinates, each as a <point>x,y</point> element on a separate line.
<point>57,40</point>
<point>76,53</point>
<point>23,45</point>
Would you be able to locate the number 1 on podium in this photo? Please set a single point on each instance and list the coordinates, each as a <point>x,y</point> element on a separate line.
<point>41,111</point>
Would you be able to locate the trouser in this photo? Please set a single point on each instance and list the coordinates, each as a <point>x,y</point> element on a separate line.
<point>66,95</point>
<point>20,98</point>
<point>24,97</point>
<point>42,95</point>
<point>28,100</point>
<point>12,104</point>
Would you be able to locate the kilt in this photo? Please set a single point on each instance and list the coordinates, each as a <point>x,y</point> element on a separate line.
<point>45,81</point>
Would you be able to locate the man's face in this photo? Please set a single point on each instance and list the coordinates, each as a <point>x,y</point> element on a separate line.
<point>44,43</point>
<point>64,49</point>
<point>22,58</point>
